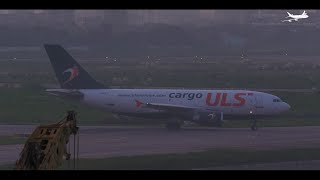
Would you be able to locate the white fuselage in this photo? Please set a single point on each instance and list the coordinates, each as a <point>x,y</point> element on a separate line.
<point>230,102</point>
<point>302,16</point>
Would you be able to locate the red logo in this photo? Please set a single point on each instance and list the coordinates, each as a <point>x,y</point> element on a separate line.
<point>138,103</point>
<point>74,72</point>
<point>222,101</point>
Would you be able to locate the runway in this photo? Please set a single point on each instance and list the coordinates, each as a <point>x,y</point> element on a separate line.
<point>290,165</point>
<point>107,141</point>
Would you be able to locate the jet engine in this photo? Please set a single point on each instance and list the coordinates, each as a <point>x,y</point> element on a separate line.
<point>208,118</point>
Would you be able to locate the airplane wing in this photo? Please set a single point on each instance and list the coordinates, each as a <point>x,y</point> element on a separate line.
<point>178,110</point>
<point>170,107</point>
<point>289,20</point>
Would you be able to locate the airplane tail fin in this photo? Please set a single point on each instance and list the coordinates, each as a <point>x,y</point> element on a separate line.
<point>68,72</point>
<point>289,14</point>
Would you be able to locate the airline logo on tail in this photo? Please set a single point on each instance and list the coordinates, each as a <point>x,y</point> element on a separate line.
<point>74,72</point>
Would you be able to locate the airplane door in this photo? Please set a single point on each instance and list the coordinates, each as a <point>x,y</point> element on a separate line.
<point>259,103</point>
<point>252,104</point>
<point>109,101</point>
<point>256,103</point>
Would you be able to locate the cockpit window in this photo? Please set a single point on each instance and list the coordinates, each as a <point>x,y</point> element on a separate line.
<point>276,100</point>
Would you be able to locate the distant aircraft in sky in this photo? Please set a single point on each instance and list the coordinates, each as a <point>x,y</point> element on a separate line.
<point>304,15</point>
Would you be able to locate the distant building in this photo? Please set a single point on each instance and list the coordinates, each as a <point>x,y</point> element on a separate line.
<point>231,16</point>
<point>10,85</point>
<point>206,17</point>
<point>31,18</point>
<point>117,19</point>
<point>4,11</point>
<point>172,17</point>
<point>62,19</point>
<point>88,19</point>
<point>137,17</point>
<point>14,18</point>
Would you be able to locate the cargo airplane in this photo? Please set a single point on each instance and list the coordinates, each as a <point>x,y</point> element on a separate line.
<point>209,107</point>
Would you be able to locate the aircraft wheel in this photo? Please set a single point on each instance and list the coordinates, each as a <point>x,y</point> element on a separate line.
<point>218,123</point>
<point>173,126</point>
<point>254,128</point>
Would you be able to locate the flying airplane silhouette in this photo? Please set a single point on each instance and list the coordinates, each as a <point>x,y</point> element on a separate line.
<point>304,15</point>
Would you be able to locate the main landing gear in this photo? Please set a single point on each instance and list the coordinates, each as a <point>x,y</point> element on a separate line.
<point>173,125</point>
<point>215,120</point>
<point>254,125</point>
<point>219,121</point>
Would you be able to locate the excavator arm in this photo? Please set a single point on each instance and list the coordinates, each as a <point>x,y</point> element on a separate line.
<point>46,147</point>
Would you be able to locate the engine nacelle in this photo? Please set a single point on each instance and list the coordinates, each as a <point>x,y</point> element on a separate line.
<point>207,118</point>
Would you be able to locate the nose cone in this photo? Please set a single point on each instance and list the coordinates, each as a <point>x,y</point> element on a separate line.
<point>286,106</point>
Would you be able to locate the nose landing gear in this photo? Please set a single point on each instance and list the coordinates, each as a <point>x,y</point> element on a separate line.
<point>173,124</point>
<point>254,125</point>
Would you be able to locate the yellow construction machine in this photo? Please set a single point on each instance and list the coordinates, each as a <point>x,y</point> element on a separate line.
<point>46,147</point>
